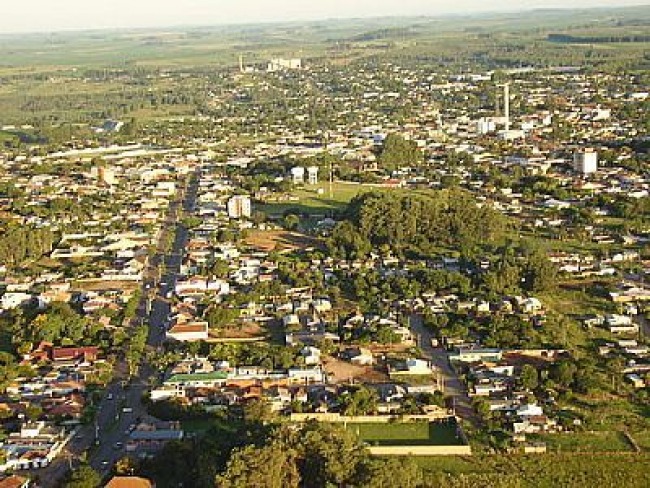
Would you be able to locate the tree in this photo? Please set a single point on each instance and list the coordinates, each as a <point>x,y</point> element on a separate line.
<point>362,401</point>
<point>291,222</point>
<point>257,411</point>
<point>173,466</point>
<point>482,408</point>
<point>397,151</point>
<point>387,473</point>
<point>539,273</point>
<point>327,454</point>
<point>125,466</point>
<point>272,466</point>
<point>33,411</point>
<point>563,372</point>
<point>219,268</point>
<point>83,477</point>
<point>529,377</point>
<point>219,316</point>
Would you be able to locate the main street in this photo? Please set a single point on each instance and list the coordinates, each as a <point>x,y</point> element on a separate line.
<point>116,425</point>
<point>121,407</point>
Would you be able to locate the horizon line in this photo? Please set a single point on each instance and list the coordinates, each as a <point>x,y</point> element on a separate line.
<point>424,16</point>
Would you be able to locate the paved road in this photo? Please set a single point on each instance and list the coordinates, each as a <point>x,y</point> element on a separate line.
<point>116,421</point>
<point>121,408</point>
<point>454,387</point>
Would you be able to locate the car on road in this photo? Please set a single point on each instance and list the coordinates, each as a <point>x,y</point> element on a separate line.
<point>105,464</point>
<point>118,445</point>
<point>109,396</point>
<point>127,410</point>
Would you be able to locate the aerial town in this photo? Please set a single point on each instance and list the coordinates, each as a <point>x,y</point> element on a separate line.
<point>439,268</point>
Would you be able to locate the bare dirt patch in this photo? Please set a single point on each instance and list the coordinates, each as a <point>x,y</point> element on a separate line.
<point>248,330</point>
<point>342,372</point>
<point>104,285</point>
<point>268,240</point>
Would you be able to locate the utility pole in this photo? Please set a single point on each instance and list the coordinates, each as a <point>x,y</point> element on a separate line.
<point>506,105</point>
<point>331,178</point>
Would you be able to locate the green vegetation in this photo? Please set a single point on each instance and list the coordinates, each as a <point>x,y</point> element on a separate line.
<point>407,433</point>
<point>642,438</point>
<point>19,244</point>
<point>397,151</point>
<point>415,224</point>
<point>310,201</point>
<point>256,453</point>
<point>83,477</point>
<point>585,442</point>
<point>535,471</point>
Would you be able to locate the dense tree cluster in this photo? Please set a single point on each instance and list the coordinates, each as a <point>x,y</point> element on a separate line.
<point>415,222</point>
<point>511,274</point>
<point>18,244</point>
<point>397,151</point>
<point>310,455</point>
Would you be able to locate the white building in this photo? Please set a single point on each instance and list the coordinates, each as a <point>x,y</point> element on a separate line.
<point>485,125</point>
<point>239,207</point>
<point>312,175</point>
<point>585,161</point>
<point>104,175</point>
<point>278,64</point>
<point>298,175</point>
<point>196,331</point>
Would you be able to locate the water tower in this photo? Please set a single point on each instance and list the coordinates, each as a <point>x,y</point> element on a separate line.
<point>312,175</point>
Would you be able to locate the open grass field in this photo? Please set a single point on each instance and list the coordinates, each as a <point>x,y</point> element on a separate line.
<point>407,434</point>
<point>608,441</point>
<point>585,299</point>
<point>538,471</point>
<point>309,201</point>
<point>642,439</point>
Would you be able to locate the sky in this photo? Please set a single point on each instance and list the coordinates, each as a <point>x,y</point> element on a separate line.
<point>56,15</point>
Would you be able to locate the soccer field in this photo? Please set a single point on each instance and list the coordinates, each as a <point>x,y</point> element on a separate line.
<point>407,434</point>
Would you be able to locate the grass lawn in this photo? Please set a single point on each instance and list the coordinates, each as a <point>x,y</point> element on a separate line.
<point>537,471</point>
<point>198,426</point>
<point>310,202</point>
<point>608,441</point>
<point>407,434</point>
<point>642,438</point>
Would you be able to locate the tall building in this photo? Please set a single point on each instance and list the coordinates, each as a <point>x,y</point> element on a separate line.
<point>239,207</point>
<point>585,161</point>
<point>105,175</point>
